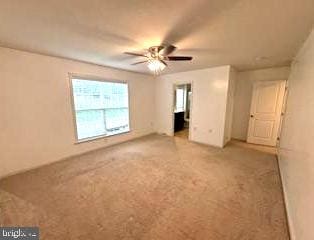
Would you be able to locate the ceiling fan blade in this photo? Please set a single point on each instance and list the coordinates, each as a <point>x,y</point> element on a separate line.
<point>164,62</point>
<point>179,58</point>
<point>139,62</point>
<point>166,50</point>
<point>135,54</point>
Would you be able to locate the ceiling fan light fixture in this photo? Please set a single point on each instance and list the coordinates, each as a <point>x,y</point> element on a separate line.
<point>158,56</point>
<point>156,66</point>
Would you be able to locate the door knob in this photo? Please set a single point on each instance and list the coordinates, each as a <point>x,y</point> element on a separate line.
<point>252,116</point>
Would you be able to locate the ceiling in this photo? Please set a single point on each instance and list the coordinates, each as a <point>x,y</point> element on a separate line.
<point>246,34</point>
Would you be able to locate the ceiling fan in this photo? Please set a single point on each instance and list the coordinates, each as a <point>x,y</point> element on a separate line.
<point>157,57</point>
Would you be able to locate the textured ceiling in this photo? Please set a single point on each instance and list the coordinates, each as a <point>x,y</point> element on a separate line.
<point>244,33</point>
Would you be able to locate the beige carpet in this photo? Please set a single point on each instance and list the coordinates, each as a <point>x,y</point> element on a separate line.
<point>155,187</point>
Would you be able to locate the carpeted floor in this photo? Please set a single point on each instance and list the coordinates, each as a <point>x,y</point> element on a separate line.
<point>156,187</point>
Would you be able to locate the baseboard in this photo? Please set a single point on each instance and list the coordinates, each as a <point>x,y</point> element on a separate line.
<point>286,202</point>
<point>74,155</point>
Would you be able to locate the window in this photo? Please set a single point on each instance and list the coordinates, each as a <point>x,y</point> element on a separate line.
<point>101,108</point>
<point>180,99</point>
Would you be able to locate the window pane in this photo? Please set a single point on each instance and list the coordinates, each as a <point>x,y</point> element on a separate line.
<point>117,120</point>
<point>90,123</point>
<point>101,108</point>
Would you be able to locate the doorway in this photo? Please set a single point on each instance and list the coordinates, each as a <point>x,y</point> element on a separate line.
<point>182,110</point>
<point>266,112</point>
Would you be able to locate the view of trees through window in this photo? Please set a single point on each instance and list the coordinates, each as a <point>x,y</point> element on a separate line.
<point>101,108</point>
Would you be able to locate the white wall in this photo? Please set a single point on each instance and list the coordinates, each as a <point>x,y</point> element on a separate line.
<point>243,96</point>
<point>36,123</point>
<point>297,145</point>
<point>209,100</point>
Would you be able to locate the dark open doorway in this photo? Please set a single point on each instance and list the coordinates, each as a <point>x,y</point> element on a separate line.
<point>182,110</point>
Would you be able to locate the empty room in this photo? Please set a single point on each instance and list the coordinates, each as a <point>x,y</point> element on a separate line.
<point>157,120</point>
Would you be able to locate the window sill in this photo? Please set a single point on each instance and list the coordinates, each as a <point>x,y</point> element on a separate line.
<point>99,137</point>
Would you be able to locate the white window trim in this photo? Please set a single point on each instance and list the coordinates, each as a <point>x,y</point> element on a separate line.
<point>100,79</point>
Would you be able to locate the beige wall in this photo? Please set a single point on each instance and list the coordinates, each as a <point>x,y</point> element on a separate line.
<point>36,123</point>
<point>297,145</point>
<point>209,100</point>
<point>243,95</point>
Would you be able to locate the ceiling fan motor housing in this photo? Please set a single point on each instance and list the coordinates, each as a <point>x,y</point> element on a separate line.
<point>154,52</point>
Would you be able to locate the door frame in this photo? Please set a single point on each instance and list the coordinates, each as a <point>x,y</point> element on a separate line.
<point>173,92</point>
<point>283,112</point>
<point>282,109</point>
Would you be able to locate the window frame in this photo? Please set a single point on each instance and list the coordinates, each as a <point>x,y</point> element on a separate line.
<point>99,79</point>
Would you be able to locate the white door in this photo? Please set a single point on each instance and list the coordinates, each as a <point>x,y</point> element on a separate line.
<point>266,107</point>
